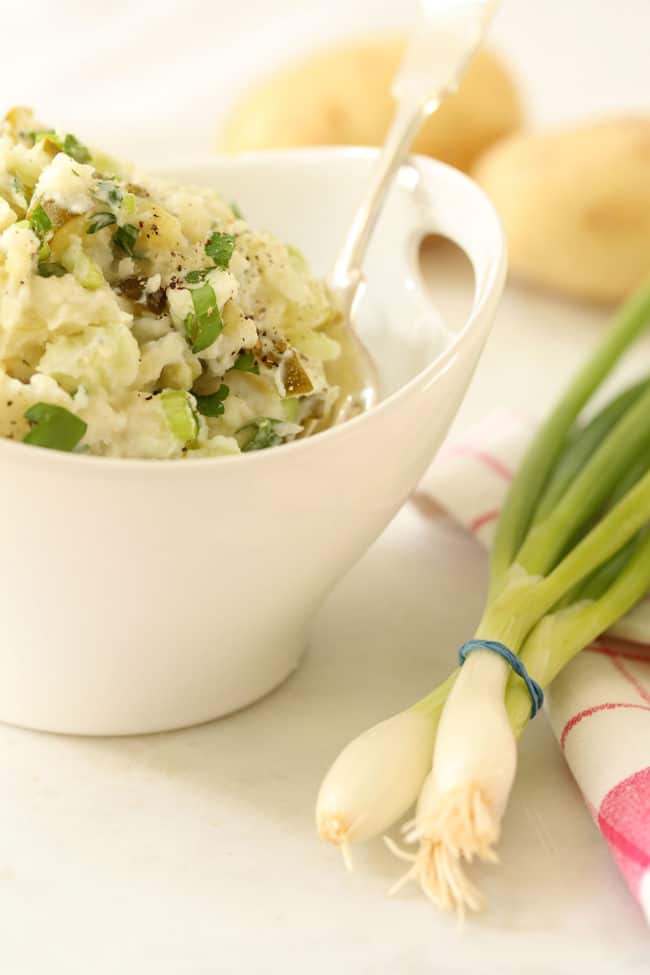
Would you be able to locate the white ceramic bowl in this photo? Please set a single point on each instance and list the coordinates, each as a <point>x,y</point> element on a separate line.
<point>147,595</point>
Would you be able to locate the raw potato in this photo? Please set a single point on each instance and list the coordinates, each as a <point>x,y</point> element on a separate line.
<point>341,96</point>
<point>575,204</point>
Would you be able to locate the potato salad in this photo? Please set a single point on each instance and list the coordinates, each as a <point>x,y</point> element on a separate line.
<point>143,319</point>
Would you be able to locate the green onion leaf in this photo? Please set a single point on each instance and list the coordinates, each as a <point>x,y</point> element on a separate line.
<point>259,434</point>
<point>125,239</point>
<point>179,414</point>
<point>40,222</point>
<point>100,220</point>
<point>220,247</point>
<point>47,269</point>
<point>204,326</point>
<point>212,405</point>
<point>53,427</point>
<point>245,362</point>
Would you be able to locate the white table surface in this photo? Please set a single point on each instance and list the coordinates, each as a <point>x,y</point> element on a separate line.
<point>195,852</point>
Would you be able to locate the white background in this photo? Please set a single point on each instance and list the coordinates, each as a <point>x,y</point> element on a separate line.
<point>195,852</point>
<point>162,73</point>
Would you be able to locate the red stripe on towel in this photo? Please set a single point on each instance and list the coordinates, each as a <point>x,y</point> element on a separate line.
<point>484,519</point>
<point>624,821</point>
<point>587,713</point>
<point>631,679</point>
<point>482,456</point>
<point>643,658</point>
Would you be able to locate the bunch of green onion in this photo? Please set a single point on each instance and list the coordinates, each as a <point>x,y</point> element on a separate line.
<point>571,555</point>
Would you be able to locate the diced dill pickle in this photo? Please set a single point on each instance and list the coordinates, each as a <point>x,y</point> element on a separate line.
<point>294,376</point>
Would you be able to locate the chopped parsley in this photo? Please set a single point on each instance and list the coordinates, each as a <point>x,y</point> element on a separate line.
<point>259,434</point>
<point>108,192</point>
<point>220,247</point>
<point>245,362</point>
<point>203,326</point>
<point>125,239</point>
<point>194,277</point>
<point>40,222</point>
<point>53,427</point>
<point>100,220</point>
<point>50,269</point>
<point>212,405</point>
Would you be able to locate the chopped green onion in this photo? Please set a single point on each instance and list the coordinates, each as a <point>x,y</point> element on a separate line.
<point>245,362</point>
<point>50,269</point>
<point>204,326</point>
<point>220,247</point>
<point>72,147</point>
<point>213,404</point>
<point>100,220</point>
<point>237,212</point>
<point>68,144</point>
<point>44,252</point>
<point>40,222</point>
<point>53,427</point>
<point>125,239</point>
<point>47,135</point>
<point>129,204</point>
<point>259,434</point>
<point>179,414</point>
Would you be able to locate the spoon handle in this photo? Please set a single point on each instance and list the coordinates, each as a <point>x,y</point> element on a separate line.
<point>448,34</point>
<point>404,127</point>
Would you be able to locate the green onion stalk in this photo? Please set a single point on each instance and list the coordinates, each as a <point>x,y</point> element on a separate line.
<point>571,555</point>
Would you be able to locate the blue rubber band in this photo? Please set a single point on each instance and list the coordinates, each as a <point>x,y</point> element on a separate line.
<point>535,691</point>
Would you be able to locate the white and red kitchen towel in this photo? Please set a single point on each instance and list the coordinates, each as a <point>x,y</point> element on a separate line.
<point>599,706</point>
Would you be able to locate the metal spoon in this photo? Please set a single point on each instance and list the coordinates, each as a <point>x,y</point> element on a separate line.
<point>447,35</point>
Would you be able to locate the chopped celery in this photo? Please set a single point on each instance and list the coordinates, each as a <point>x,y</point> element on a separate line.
<point>179,414</point>
<point>291,407</point>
